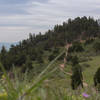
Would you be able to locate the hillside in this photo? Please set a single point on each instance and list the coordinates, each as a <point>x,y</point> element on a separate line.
<point>33,49</point>
<point>62,64</point>
<point>58,84</point>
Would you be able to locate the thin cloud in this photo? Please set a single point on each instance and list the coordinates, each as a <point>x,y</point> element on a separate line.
<point>20,17</point>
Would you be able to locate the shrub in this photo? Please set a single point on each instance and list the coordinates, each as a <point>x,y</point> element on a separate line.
<point>89,41</point>
<point>77,78</point>
<point>97,77</point>
<point>96,46</point>
<point>76,47</point>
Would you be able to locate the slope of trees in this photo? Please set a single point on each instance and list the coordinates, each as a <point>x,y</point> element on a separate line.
<point>33,48</point>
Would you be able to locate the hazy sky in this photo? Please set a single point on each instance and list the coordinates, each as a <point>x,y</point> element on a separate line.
<point>20,17</point>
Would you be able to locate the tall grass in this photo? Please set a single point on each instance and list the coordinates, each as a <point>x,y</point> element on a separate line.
<point>15,93</point>
<point>36,90</point>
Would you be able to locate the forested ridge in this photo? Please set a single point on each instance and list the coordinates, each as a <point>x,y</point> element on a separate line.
<point>33,49</point>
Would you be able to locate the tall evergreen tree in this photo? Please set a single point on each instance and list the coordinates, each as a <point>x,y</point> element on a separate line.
<point>77,78</point>
<point>3,57</point>
<point>97,77</point>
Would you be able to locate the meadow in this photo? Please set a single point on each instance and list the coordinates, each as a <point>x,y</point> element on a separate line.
<point>51,83</point>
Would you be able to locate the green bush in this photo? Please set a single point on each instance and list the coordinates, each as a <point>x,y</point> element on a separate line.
<point>97,77</point>
<point>76,47</point>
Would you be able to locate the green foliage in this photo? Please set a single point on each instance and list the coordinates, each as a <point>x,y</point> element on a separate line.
<point>51,89</point>
<point>54,53</point>
<point>96,46</point>
<point>77,78</point>
<point>89,41</point>
<point>18,93</point>
<point>51,57</point>
<point>97,77</point>
<point>76,47</point>
<point>3,56</point>
<point>27,65</point>
<point>75,60</point>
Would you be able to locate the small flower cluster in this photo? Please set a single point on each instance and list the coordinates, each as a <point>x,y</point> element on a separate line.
<point>83,96</point>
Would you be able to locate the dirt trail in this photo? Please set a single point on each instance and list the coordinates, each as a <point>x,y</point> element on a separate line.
<point>62,66</point>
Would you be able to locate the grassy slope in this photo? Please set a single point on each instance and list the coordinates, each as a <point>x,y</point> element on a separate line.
<point>61,81</point>
<point>64,82</point>
<point>89,72</point>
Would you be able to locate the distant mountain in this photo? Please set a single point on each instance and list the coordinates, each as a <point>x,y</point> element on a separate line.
<point>7,45</point>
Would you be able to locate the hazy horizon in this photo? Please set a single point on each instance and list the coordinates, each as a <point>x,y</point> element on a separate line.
<point>18,18</point>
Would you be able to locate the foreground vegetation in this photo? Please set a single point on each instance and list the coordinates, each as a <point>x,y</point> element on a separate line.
<point>56,88</point>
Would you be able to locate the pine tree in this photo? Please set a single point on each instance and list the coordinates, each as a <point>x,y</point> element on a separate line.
<point>97,77</point>
<point>3,57</point>
<point>77,78</point>
<point>27,65</point>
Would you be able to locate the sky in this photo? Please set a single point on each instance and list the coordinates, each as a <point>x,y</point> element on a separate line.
<point>18,18</point>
